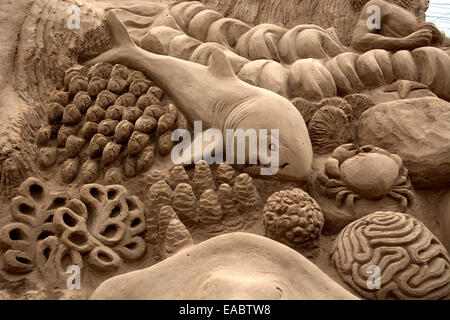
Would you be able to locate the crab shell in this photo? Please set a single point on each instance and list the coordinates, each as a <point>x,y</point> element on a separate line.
<point>371,173</point>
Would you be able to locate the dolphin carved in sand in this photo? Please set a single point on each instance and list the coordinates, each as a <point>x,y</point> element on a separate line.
<point>217,97</point>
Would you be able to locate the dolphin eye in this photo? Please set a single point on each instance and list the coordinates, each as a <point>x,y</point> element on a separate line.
<point>273,147</point>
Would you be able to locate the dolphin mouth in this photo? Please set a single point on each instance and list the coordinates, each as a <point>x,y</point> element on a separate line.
<point>286,172</point>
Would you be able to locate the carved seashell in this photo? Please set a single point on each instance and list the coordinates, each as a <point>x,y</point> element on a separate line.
<point>74,145</point>
<point>157,92</point>
<point>117,85</point>
<point>101,69</point>
<point>113,176</point>
<point>154,111</point>
<point>111,153</point>
<point>165,143</point>
<point>226,200</point>
<point>95,114</point>
<point>147,100</point>
<point>55,112</point>
<point>359,103</point>
<point>123,131</point>
<point>184,202</point>
<point>246,195</point>
<point>340,104</point>
<point>328,129</point>
<point>172,110</point>
<point>130,167</point>
<point>126,100</point>
<point>202,179</point>
<point>132,114</point>
<point>177,237</point>
<point>225,174</point>
<point>209,210</point>
<point>70,169</point>
<point>43,136</point>
<point>261,42</point>
<point>77,84</point>
<point>135,75</point>
<point>72,115</point>
<point>96,145</point>
<point>146,159</point>
<point>107,127</point>
<point>61,97</point>
<point>63,133</point>
<point>88,130</point>
<point>76,70</point>
<point>145,124</point>
<point>82,101</point>
<point>166,123</point>
<point>105,99</point>
<point>96,85</point>
<point>90,171</point>
<point>120,71</point>
<point>47,157</point>
<point>115,112</point>
<point>306,108</point>
<point>159,195</point>
<point>177,175</point>
<point>138,141</point>
<point>139,87</point>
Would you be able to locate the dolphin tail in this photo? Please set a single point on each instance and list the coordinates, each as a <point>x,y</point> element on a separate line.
<point>122,43</point>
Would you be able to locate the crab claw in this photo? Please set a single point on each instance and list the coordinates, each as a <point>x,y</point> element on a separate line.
<point>345,152</point>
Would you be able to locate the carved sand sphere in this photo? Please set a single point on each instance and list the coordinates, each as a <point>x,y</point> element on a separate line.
<point>422,267</point>
<point>293,218</point>
<point>118,117</point>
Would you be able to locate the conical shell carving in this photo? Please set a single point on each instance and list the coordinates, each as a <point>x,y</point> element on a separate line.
<point>209,210</point>
<point>247,197</point>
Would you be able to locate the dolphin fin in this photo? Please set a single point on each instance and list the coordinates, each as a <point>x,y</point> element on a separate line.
<point>198,150</point>
<point>219,65</point>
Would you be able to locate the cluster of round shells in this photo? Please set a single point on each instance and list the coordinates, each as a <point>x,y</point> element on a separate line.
<point>391,255</point>
<point>294,218</point>
<point>51,231</point>
<point>331,122</point>
<point>108,117</point>
<point>206,202</point>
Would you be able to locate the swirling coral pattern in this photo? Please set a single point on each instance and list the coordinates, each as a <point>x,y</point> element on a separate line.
<point>412,261</point>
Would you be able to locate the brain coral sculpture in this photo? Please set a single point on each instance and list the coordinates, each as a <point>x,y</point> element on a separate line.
<point>293,218</point>
<point>412,263</point>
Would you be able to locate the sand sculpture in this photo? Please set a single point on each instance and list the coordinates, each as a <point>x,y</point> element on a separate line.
<point>118,182</point>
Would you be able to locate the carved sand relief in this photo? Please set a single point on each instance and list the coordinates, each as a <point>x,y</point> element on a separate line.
<point>109,118</point>
<point>98,232</point>
<point>351,121</point>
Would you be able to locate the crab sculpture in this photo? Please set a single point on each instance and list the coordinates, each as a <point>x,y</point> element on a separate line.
<point>368,172</point>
